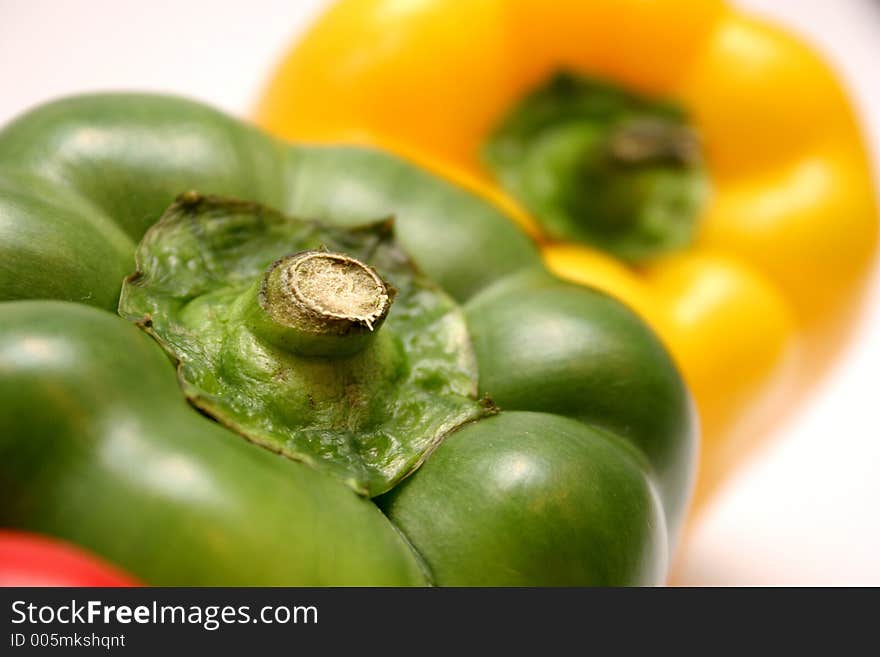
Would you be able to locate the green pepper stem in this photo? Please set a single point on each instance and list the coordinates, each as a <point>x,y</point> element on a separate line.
<point>317,303</point>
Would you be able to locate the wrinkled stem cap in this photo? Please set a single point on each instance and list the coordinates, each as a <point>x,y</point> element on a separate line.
<point>317,303</point>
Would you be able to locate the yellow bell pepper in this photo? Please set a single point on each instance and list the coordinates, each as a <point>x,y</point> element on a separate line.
<point>755,308</point>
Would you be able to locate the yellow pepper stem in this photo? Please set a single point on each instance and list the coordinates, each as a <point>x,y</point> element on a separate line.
<point>599,165</point>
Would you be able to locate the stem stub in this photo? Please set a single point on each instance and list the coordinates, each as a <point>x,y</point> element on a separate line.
<point>322,304</point>
<point>335,286</point>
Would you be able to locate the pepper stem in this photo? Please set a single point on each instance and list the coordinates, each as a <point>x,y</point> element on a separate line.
<point>645,140</point>
<point>317,303</point>
<point>597,164</point>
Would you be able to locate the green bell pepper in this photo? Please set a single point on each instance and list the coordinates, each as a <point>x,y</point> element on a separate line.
<point>330,368</point>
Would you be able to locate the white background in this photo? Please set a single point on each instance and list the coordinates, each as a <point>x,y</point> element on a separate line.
<point>804,511</point>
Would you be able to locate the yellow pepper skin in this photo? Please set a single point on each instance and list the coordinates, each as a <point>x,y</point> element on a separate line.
<point>755,310</point>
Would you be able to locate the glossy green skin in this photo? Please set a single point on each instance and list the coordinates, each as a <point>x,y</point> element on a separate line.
<point>518,473</point>
<point>101,448</point>
<point>604,470</point>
